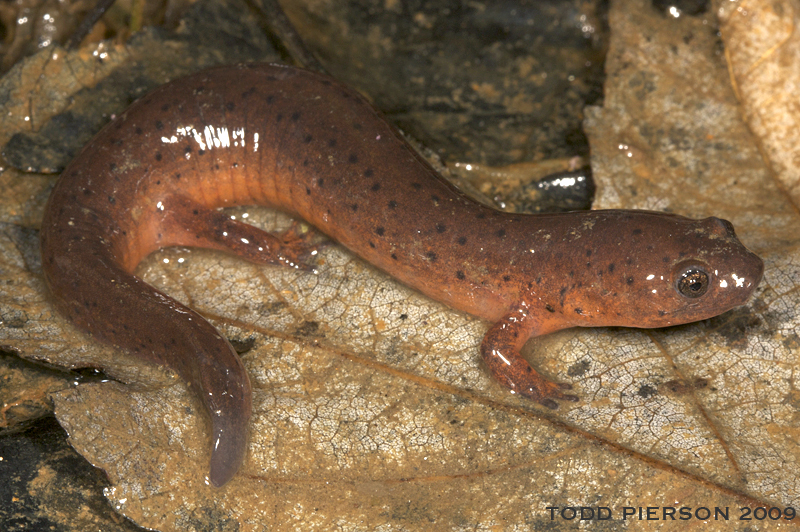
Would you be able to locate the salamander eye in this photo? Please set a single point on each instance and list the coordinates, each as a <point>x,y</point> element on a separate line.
<point>693,282</point>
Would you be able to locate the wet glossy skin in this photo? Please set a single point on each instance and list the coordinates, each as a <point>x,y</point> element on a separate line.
<point>278,136</point>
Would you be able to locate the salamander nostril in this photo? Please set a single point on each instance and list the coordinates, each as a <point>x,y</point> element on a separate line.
<point>726,226</point>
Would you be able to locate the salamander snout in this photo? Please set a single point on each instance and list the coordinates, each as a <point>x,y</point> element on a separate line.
<point>719,274</point>
<point>692,270</point>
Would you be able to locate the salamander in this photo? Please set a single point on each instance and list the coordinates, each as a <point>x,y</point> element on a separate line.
<point>300,142</point>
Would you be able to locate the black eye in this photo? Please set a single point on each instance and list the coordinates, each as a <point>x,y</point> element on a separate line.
<point>693,282</point>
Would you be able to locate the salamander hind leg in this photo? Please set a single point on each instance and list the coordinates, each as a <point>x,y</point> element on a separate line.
<point>500,349</point>
<point>189,224</point>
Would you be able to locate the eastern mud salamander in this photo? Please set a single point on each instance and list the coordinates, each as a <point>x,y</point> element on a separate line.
<point>303,143</point>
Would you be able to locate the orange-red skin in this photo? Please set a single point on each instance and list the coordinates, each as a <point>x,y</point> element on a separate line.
<point>303,143</point>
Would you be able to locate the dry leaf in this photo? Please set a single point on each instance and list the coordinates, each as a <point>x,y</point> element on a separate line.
<point>762,45</point>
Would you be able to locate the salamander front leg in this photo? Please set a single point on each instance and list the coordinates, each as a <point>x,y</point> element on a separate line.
<point>500,349</point>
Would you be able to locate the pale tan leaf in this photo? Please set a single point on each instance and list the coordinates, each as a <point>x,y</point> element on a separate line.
<point>762,47</point>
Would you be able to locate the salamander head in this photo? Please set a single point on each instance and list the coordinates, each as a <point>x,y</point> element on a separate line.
<point>675,270</point>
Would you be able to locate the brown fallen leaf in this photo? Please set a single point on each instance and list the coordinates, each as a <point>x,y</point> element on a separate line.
<point>371,408</point>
